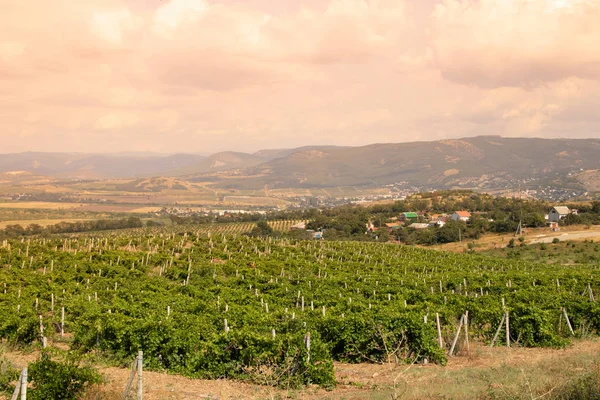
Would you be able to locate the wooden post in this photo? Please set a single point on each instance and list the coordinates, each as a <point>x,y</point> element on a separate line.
<point>439,330</point>
<point>24,384</point>
<point>17,390</point>
<point>466,317</point>
<point>62,321</point>
<point>130,381</point>
<point>568,321</point>
<point>140,392</point>
<point>507,328</point>
<point>42,337</point>
<point>498,330</point>
<point>307,344</point>
<point>456,336</point>
<point>187,280</point>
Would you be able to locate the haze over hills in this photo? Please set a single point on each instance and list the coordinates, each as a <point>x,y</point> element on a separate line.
<point>483,161</point>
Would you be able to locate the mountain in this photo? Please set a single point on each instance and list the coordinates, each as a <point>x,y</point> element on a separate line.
<point>483,161</point>
<point>92,166</point>
<point>477,162</point>
<point>121,165</point>
<point>218,162</point>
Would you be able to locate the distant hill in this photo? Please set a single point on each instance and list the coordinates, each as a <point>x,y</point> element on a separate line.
<point>478,162</point>
<point>484,161</point>
<point>93,166</point>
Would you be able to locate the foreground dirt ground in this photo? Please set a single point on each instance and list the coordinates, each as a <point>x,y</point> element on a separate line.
<point>532,236</point>
<point>483,373</point>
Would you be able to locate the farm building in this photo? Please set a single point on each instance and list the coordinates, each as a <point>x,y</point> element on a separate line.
<point>405,216</point>
<point>393,226</point>
<point>438,223</point>
<point>461,216</point>
<point>419,226</point>
<point>557,213</point>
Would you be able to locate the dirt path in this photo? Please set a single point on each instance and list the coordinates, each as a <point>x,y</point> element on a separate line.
<point>483,371</point>
<point>532,236</point>
<point>581,235</point>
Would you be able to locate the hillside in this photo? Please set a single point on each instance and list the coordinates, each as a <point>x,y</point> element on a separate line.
<point>484,162</point>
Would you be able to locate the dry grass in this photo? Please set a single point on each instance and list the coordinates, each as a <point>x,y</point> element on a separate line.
<point>41,222</point>
<point>497,373</point>
<point>39,205</point>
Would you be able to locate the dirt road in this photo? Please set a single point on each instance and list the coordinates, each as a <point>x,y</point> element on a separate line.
<point>579,235</point>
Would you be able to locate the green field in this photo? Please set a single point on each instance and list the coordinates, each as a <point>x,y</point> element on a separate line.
<point>210,305</point>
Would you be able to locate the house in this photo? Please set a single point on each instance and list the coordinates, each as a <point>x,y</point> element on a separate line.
<point>461,216</point>
<point>393,226</point>
<point>557,213</point>
<point>438,223</point>
<point>438,217</point>
<point>406,216</point>
<point>419,226</point>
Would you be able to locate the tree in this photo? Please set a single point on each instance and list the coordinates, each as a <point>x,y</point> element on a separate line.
<point>262,228</point>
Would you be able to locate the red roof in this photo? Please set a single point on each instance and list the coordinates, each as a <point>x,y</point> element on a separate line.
<point>464,214</point>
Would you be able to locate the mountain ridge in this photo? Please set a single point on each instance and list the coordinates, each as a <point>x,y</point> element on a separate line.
<point>480,161</point>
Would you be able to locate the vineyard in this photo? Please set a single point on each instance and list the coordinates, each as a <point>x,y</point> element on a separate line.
<point>279,311</point>
<point>236,228</point>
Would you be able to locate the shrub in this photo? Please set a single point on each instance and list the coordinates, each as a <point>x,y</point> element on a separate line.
<point>59,380</point>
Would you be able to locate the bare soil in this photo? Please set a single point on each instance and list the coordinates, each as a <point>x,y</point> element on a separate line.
<point>514,372</point>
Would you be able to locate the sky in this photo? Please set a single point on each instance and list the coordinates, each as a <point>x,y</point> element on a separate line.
<point>202,76</point>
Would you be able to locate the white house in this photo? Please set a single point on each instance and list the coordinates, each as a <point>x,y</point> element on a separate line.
<point>419,226</point>
<point>557,213</point>
<point>437,223</point>
<point>461,216</point>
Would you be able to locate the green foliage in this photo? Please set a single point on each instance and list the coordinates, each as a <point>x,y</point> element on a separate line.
<point>535,327</point>
<point>360,301</point>
<point>59,380</point>
<point>8,374</point>
<point>262,228</point>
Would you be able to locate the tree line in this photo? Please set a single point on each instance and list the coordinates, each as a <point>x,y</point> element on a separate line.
<point>17,230</point>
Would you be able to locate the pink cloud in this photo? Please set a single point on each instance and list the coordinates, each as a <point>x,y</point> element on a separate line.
<point>184,74</point>
<point>525,43</point>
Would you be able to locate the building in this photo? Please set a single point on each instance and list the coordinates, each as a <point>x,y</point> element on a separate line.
<point>406,216</point>
<point>461,216</point>
<point>419,226</point>
<point>393,226</point>
<point>557,213</point>
<point>438,223</point>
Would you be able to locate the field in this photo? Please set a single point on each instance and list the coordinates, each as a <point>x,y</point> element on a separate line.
<point>39,205</point>
<point>40,222</point>
<point>209,305</point>
<point>243,227</point>
<point>133,195</point>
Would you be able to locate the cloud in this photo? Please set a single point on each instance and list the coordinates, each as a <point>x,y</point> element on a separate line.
<point>522,43</point>
<point>242,74</point>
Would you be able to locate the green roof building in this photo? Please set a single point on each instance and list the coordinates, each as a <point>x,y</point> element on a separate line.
<point>408,215</point>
